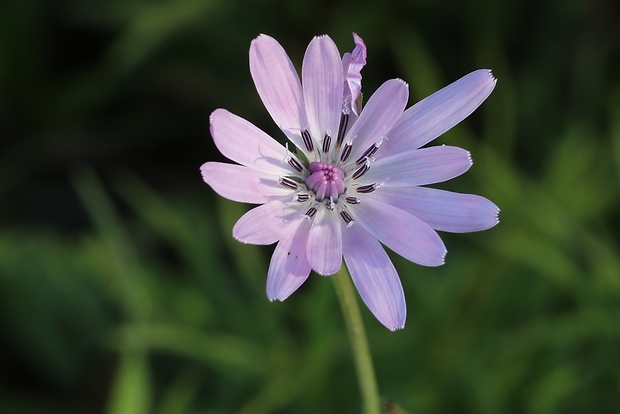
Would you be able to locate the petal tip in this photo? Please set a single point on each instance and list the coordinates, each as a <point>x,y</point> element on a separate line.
<point>204,172</point>
<point>397,328</point>
<point>487,72</point>
<point>361,51</point>
<point>261,36</point>
<point>327,271</point>
<point>217,112</point>
<point>264,39</point>
<point>237,238</point>
<point>491,78</point>
<point>213,119</point>
<point>319,37</point>
<point>275,296</point>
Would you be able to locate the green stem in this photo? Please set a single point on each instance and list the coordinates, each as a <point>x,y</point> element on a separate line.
<point>359,342</point>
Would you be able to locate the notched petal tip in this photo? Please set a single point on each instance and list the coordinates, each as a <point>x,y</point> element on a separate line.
<point>219,112</point>
<point>262,36</point>
<point>493,213</point>
<point>484,71</point>
<point>214,113</point>
<point>204,172</point>
<point>265,42</point>
<point>322,36</point>
<point>327,273</point>
<point>280,297</point>
<point>238,239</point>
<point>486,76</point>
<point>396,328</point>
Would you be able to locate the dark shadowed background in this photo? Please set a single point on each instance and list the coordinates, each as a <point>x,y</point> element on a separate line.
<point>122,290</point>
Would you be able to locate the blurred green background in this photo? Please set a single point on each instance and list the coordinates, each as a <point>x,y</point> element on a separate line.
<point>122,290</point>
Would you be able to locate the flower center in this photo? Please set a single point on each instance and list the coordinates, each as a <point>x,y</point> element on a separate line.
<point>325,180</point>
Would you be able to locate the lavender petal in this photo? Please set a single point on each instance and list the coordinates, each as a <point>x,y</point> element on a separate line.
<point>289,267</point>
<point>325,242</point>
<point>374,277</point>
<point>379,114</point>
<point>242,142</point>
<point>419,167</point>
<point>322,83</point>
<point>442,210</point>
<point>405,234</point>
<point>241,184</point>
<point>436,114</point>
<point>278,86</point>
<point>265,224</point>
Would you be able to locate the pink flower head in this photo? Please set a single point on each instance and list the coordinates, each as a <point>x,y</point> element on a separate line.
<point>355,181</point>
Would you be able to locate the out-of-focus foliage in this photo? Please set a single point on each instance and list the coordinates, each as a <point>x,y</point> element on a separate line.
<point>122,291</point>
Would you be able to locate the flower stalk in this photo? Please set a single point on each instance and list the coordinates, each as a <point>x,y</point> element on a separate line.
<point>359,342</point>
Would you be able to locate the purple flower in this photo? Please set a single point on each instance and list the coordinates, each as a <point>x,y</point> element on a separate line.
<point>355,178</point>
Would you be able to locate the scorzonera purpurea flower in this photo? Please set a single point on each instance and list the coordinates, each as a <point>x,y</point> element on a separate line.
<point>355,180</point>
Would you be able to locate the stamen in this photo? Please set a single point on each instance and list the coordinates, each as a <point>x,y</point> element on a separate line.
<point>295,164</point>
<point>330,204</point>
<point>287,182</point>
<point>302,197</point>
<point>327,141</point>
<point>346,217</point>
<point>346,151</point>
<point>342,128</point>
<point>311,212</point>
<point>369,152</point>
<point>361,171</point>
<point>365,189</point>
<point>352,200</point>
<point>305,135</point>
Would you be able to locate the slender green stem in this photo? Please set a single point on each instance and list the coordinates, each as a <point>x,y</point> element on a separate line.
<point>359,342</point>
